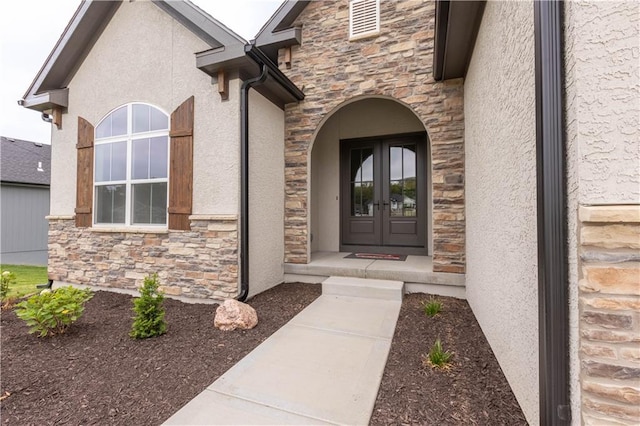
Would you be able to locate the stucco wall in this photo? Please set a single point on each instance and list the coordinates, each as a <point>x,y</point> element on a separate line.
<point>368,117</point>
<point>604,96</point>
<point>145,55</point>
<point>500,158</point>
<point>602,68</point>
<point>266,194</point>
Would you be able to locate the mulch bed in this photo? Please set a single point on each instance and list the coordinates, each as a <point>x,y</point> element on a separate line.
<point>472,391</point>
<point>97,374</point>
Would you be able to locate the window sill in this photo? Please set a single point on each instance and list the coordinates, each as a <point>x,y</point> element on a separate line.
<point>128,230</point>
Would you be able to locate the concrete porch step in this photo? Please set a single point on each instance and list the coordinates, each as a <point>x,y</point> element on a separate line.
<point>363,287</point>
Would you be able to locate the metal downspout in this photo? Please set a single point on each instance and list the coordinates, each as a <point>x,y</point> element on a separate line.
<point>244,179</point>
<point>553,291</point>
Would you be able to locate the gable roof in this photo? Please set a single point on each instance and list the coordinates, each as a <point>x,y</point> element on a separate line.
<point>278,31</point>
<point>49,88</point>
<point>19,161</point>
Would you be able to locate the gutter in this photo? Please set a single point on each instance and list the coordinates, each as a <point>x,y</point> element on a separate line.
<point>267,69</point>
<point>553,292</point>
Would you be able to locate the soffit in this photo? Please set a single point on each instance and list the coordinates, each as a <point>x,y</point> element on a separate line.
<point>457,25</point>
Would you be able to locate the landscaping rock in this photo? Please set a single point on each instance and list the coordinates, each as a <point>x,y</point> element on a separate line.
<point>233,314</point>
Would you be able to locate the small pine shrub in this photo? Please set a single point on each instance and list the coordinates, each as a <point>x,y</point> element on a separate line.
<point>149,319</point>
<point>7,279</point>
<point>438,357</point>
<point>432,307</point>
<point>53,311</point>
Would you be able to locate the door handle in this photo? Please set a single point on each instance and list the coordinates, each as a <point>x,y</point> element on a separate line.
<point>377,205</point>
<point>384,203</point>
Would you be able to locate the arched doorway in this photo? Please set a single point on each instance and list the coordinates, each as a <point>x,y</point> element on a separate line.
<point>370,186</point>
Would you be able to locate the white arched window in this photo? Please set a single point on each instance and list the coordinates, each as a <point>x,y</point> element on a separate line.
<point>132,166</point>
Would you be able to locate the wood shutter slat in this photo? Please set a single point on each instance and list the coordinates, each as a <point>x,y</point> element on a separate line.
<point>181,166</point>
<point>84,178</point>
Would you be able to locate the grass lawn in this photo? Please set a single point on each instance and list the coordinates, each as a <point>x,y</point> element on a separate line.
<point>27,277</point>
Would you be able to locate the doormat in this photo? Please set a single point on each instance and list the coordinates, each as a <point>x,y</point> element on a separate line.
<point>377,256</point>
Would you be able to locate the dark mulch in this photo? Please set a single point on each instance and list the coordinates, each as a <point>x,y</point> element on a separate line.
<point>96,374</point>
<point>473,391</point>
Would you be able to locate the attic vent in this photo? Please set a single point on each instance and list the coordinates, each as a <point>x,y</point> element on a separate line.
<point>364,18</point>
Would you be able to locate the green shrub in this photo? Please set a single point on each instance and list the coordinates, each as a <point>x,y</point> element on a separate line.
<point>149,319</point>
<point>438,358</point>
<point>432,307</point>
<point>7,279</point>
<point>53,311</point>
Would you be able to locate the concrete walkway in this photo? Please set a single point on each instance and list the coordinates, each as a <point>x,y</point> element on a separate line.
<point>323,367</point>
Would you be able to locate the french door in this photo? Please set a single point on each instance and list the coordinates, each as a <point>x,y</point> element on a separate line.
<point>383,194</point>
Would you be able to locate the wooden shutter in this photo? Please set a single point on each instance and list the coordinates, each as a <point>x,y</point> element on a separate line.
<point>181,166</point>
<point>84,183</point>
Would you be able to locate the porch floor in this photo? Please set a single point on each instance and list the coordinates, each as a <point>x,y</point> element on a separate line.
<point>416,272</point>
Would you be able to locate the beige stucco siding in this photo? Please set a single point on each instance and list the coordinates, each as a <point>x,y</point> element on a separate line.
<point>266,194</point>
<point>144,55</point>
<point>500,179</point>
<point>603,97</point>
<point>364,118</point>
<point>602,114</point>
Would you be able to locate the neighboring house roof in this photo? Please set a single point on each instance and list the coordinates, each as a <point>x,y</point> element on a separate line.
<point>227,50</point>
<point>25,162</point>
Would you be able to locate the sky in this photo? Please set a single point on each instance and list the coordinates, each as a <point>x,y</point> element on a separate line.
<point>29,29</point>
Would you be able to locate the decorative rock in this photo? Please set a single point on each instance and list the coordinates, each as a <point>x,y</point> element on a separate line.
<point>233,314</point>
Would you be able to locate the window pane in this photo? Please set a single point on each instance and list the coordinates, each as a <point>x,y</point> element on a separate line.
<point>140,118</point>
<point>395,162</point>
<point>409,161</point>
<point>104,129</point>
<point>150,203</point>
<point>119,122</point>
<point>118,161</point>
<point>110,203</point>
<point>158,157</point>
<point>140,153</point>
<point>367,164</point>
<point>367,198</point>
<point>396,198</point>
<point>103,162</point>
<point>159,203</point>
<point>159,121</point>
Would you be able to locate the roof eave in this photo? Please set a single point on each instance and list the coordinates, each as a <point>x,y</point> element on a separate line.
<point>47,100</point>
<point>72,46</point>
<point>236,60</point>
<point>279,31</point>
<point>456,29</point>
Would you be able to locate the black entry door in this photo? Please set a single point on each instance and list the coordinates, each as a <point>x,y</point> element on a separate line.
<point>383,194</point>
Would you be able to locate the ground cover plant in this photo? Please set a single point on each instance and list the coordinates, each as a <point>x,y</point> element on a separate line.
<point>27,278</point>
<point>96,374</point>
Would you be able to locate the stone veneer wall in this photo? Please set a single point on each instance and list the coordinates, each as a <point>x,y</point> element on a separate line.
<point>609,297</point>
<point>201,263</point>
<point>395,64</point>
